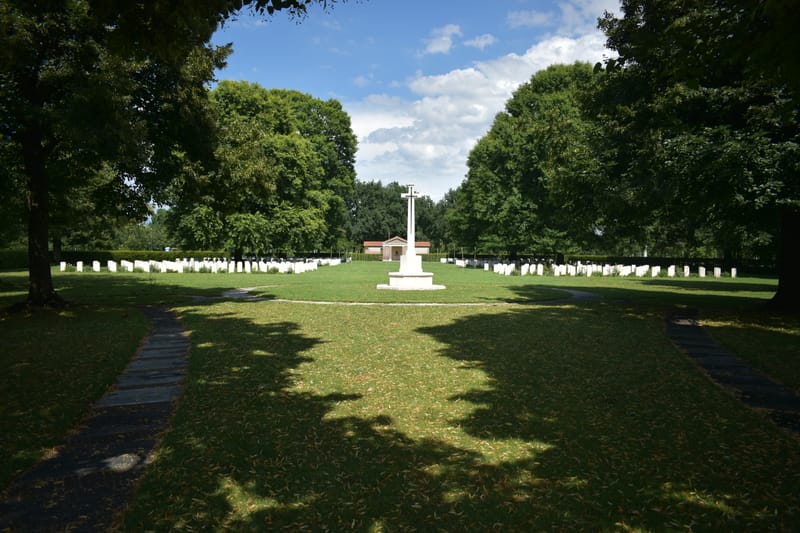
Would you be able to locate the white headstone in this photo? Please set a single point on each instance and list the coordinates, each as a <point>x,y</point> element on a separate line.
<point>671,271</point>
<point>701,271</point>
<point>733,272</point>
<point>79,266</point>
<point>717,272</point>
<point>62,266</point>
<point>112,266</point>
<point>539,269</point>
<point>686,271</point>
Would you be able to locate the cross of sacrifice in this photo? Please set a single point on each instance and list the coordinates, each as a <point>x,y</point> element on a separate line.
<point>411,239</point>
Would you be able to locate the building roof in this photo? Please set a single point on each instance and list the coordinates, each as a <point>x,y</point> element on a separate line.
<point>396,241</point>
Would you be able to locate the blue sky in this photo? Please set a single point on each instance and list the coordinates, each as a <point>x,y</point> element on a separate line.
<point>421,79</point>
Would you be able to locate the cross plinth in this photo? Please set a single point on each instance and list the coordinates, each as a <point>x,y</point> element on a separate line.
<point>411,277</point>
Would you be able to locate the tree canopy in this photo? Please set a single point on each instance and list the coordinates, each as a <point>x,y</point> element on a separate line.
<point>509,201</point>
<point>285,167</point>
<point>104,98</point>
<point>703,142</point>
<point>686,143</point>
<point>377,211</point>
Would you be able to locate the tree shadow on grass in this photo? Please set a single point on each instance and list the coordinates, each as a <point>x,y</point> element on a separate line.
<point>647,296</point>
<point>634,436</point>
<point>700,284</point>
<point>617,432</point>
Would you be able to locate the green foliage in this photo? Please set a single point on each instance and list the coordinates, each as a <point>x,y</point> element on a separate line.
<point>285,165</point>
<point>378,212</point>
<point>513,198</point>
<point>700,143</point>
<point>684,145</point>
<point>361,256</point>
<point>12,215</point>
<point>200,228</point>
<point>73,256</point>
<point>93,129</point>
<point>247,233</point>
<point>426,258</point>
<point>144,236</point>
<point>13,259</point>
<point>103,107</point>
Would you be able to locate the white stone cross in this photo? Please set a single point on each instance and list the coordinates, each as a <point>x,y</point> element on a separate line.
<point>411,238</point>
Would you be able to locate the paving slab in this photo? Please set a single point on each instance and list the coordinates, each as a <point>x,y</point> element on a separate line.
<point>752,387</point>
<point>161,363</point>
<point>706,351</point>
<point>138,396</point>
<point>156,351</point>
<point>149,379</point>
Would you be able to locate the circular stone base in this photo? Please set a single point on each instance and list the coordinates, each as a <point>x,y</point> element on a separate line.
<point>417,281</point>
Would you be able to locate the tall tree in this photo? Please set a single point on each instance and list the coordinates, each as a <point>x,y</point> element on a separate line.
<point>327,126</point>
<point>508,202</point>
<point>87,83</point>
<point>283,156</point>
<point>703,138</point>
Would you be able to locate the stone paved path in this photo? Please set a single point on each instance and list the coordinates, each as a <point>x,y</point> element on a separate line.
<point>93,474</point>
<point>750,386</point>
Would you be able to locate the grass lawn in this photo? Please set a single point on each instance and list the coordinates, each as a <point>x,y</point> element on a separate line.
<point>502,417</point>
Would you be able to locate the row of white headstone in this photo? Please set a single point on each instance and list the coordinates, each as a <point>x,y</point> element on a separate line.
<point>213,265</point>
<point>580,269</point>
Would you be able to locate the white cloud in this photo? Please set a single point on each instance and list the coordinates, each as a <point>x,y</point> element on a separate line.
<point>530,19</point>
<point>441,40</point>
<point>425,139</point>
<point>574,17</point>
<point>361,81</point>
<point>481,41</point>
<point>580,16</point>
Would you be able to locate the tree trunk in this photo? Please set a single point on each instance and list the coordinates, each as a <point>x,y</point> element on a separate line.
<point>787,298</point>
<point>40,290</point>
